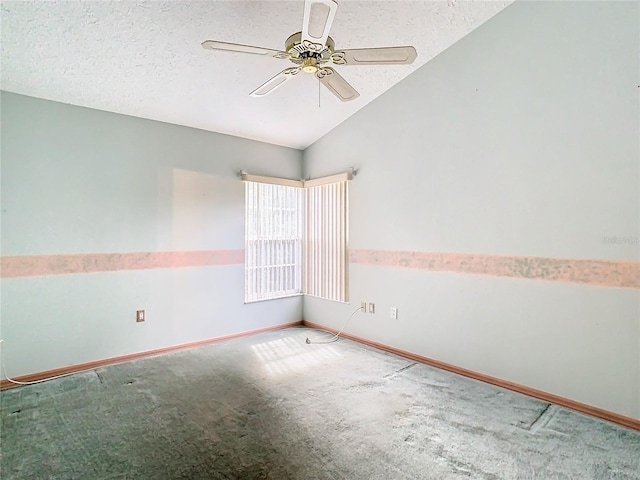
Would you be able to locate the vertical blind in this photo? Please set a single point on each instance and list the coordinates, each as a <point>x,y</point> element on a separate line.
<point>273,241</point>
<point>326,232</point>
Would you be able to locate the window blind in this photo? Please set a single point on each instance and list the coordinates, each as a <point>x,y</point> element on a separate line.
<point>326,235</point>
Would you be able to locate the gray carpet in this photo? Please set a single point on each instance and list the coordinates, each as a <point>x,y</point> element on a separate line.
<point>271,406</point>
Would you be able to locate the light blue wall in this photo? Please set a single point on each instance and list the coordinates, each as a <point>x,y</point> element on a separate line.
<point>521,139</point>
<point>76,180</point>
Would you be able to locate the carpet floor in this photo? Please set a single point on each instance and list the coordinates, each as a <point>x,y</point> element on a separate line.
<point>271,406</point>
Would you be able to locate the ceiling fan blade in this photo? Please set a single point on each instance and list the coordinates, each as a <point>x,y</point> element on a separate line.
<point>337,85</point>
<point>273,83</point>
<point>236,47</point>
<point>318,17</point>
<point>377,56</point>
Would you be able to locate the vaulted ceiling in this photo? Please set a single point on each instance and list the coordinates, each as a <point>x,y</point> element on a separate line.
<point>145,58</point>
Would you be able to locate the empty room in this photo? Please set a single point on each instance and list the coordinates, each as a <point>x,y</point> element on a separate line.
<point>320,239</point>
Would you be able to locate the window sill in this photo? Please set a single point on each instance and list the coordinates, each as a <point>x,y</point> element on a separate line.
<point>247,302</point>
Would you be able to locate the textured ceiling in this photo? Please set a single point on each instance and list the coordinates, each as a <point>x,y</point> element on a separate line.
<point>145,59</point>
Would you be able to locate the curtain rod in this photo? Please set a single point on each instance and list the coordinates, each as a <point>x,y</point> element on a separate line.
<point>288,182</point>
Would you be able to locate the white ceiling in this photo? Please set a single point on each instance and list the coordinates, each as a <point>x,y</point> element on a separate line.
<point>144,58</point>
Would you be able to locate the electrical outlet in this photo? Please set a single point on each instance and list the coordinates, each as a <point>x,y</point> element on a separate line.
<point>372,308</point>
<point>363,307</point>
<point>139,316</point>
<point>394,313</point>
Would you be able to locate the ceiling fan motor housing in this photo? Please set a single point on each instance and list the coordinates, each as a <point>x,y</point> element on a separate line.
<point>310,56</point>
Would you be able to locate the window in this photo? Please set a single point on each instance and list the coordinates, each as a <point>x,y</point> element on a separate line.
<point>296,238</point>
<point>273,241</point>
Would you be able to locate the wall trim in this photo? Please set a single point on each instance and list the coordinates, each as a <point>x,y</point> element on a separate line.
<point>531,392</point>
<point>594,272</point>
<point>48,265</point>
<point>83,367</point>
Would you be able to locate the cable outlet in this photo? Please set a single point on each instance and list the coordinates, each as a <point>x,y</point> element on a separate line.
<point>363,307</point>
<point>372,308</point>
<point>139,316</point>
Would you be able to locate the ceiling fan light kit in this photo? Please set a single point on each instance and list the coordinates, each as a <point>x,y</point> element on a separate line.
<point>312,50</point>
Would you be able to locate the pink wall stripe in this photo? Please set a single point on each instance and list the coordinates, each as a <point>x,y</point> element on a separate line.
<point>47,265</point>
<point>591,272</point>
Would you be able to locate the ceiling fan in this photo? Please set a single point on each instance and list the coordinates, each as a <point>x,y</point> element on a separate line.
<point>312,49</point>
